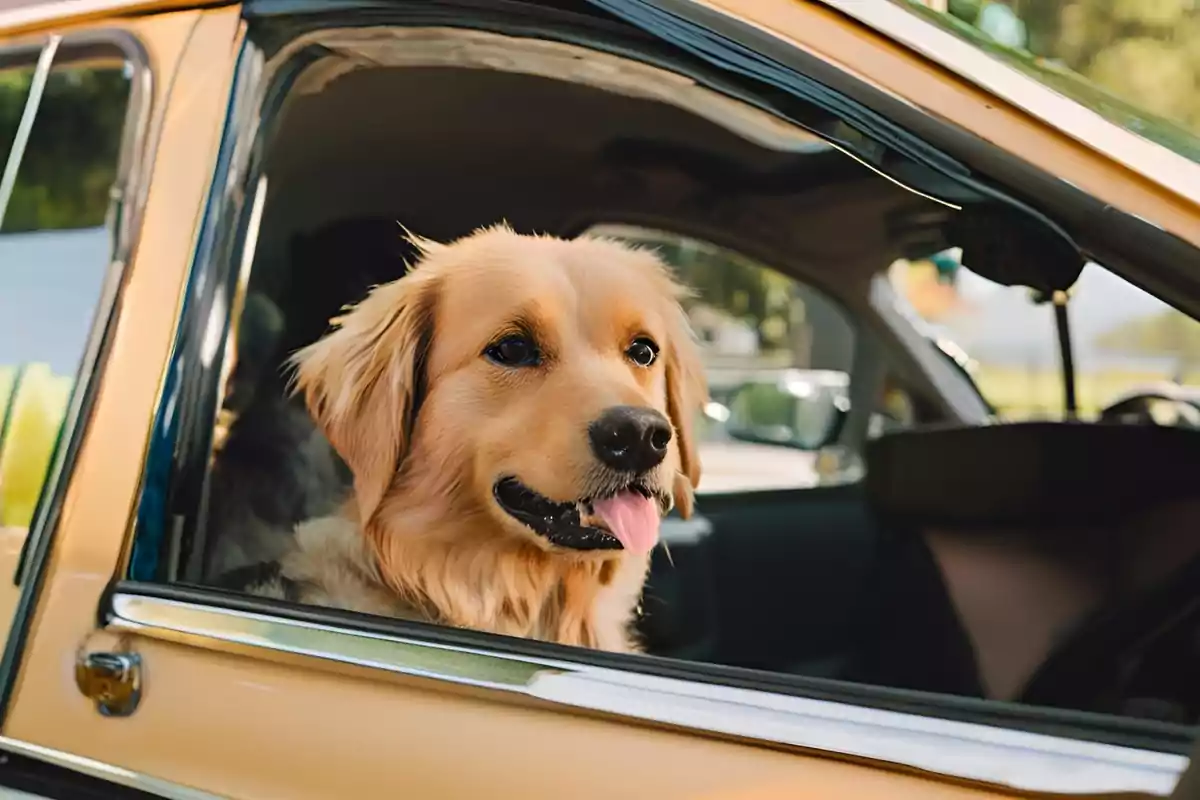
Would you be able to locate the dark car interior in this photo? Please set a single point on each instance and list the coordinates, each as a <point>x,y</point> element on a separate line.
<point>906,580</point>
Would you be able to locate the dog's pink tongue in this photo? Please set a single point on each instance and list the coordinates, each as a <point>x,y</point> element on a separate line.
<point>632,518</point>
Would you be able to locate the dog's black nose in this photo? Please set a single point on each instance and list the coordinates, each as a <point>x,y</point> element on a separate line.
<point>630,439</point>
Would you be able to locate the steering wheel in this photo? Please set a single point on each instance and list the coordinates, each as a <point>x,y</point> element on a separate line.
<point>1140,409</point>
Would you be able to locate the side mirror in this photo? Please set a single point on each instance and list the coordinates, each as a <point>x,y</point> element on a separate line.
<point>801,409</point>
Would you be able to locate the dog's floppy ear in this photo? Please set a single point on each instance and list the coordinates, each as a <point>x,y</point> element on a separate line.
<point>364,382</point>
<point>687,392</point>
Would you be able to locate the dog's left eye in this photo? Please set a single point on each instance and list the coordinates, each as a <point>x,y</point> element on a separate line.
<point>642,352</point>
<point>516,350</point>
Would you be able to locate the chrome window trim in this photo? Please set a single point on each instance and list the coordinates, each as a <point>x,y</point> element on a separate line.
<point>981,754</point>
<point>1156,162</point>
<point>129,193</point>
<point>33,103</point>
<point>103,771</point>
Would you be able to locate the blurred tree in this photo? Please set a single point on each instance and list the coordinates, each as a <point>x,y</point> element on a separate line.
<point>1136,62</point>
<point>1168,334</point>
<point>735,285</point>
<point>1146,52</point>
<point>70,163</point>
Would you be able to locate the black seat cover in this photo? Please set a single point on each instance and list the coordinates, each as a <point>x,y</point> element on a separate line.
<point>912,637</point>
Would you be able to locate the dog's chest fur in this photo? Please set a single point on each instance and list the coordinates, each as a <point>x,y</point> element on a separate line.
<point>580,603</point>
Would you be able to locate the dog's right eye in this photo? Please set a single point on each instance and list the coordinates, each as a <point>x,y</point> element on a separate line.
<point>516,350</point>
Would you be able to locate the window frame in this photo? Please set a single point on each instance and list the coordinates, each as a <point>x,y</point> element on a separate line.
<point>1010,746</point>
<point>124,217</point>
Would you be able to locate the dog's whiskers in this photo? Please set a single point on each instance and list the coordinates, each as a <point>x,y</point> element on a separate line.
<point>600,483</point>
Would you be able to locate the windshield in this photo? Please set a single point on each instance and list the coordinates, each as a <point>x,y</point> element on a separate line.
<point>1124,340</point>
<point>1134,62</point>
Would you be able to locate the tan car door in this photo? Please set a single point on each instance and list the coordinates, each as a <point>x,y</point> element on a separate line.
<point>154,89</point>
<point>242,704</point>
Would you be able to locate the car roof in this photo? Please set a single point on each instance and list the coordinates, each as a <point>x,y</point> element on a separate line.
<point>18,15</point>
<point>1153,162</point>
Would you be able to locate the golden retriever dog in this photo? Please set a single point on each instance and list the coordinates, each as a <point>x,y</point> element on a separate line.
<point>516,412</point>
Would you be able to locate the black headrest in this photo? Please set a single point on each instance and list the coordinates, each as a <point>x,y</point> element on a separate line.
<point>259,331</point>
<point>337,265</point>
<point>1031,473</point>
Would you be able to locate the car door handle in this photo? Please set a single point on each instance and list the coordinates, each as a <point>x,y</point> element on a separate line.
<point>113,681</point>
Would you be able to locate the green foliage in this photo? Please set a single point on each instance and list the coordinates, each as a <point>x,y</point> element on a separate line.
<point>966,10</point>
<point>733,284</point>
<point>1169,333</point>
<point>70,165</point>
<point>1144,51</point>
<point>765,404</point>
<point>1136,62</point>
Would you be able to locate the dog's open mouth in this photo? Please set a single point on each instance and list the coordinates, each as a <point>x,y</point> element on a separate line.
<point>624,519</point>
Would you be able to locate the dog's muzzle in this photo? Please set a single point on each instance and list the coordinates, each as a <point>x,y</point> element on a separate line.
<point>625,518</point>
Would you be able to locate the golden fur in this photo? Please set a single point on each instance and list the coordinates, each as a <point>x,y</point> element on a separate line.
<point>428,425</point>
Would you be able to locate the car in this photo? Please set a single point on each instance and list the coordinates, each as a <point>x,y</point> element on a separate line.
<point>968,607</point>
<point>780,428</point>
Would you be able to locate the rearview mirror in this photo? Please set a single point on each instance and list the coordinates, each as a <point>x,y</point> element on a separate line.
<point>803,409</point>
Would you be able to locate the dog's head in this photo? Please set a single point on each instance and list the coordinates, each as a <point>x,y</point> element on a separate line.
<point>541,386</point>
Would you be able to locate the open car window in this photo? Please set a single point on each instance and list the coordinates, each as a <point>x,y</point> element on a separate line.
<point>1125,341</point>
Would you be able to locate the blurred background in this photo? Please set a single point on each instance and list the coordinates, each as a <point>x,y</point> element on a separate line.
<point>1136,62</point>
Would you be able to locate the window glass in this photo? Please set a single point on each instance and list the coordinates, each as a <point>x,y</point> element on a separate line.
<point>1133,61</point>
<point>778,359</point>
<point>55,247</point>
<point>1124,340</point>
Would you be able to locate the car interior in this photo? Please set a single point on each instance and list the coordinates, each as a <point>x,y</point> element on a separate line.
<point>1052,564</point>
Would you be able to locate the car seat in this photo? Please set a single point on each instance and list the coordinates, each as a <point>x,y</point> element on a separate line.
<point>273,468</point>
<point>1079,489</point>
